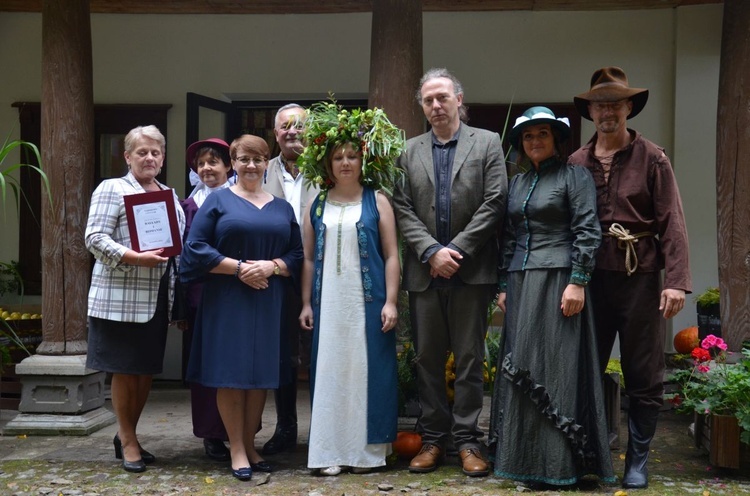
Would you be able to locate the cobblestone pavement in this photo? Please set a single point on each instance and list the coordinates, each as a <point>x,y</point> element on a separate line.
<point>35,465</point>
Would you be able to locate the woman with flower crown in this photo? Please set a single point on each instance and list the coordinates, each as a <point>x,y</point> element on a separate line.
<point>350,282</point>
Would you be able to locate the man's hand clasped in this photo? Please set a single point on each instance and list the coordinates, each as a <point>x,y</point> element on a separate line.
<point>445,263</point>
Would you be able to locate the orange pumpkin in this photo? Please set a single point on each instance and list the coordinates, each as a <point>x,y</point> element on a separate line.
<point>407,444</point>
<point>686,340</point>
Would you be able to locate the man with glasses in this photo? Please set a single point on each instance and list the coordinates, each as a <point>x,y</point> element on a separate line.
<point>643,226</point>
<point>284,181</point>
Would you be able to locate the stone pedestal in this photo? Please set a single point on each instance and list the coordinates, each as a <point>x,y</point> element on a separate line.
<point>59,396</point>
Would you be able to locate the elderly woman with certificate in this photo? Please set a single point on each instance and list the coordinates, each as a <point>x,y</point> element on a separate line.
<point>131,290</point>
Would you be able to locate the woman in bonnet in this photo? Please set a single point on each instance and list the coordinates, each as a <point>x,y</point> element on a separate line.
<point>547,423</point>
<point>210,161</point>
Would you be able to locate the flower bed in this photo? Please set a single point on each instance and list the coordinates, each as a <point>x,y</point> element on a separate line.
<point>717,390</point>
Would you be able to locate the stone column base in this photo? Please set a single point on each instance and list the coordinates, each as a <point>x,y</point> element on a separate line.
<point>35,424</point>
<point>59,395</point>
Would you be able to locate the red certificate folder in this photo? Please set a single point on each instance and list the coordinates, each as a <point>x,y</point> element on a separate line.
<point>152,221</point>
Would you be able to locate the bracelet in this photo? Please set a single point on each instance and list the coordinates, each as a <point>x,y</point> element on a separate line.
<point>237,272</point>
<point>138,259</point>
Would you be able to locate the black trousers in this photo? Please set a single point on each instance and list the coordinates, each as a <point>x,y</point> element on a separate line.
<point>628,306</point>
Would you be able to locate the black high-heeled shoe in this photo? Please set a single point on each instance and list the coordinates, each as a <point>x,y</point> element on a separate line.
<point>137,466</point>
<point>146,457</point>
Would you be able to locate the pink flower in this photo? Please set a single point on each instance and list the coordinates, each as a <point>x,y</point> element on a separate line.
<point>721,344</point>
<point>709,342</point>
<point>703,368</point>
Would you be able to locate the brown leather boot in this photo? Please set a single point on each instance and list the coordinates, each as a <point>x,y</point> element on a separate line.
<point>427,460</point>
<point>473,462</point>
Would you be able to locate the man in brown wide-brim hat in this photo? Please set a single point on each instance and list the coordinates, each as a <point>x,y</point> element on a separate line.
<point>640,212</point>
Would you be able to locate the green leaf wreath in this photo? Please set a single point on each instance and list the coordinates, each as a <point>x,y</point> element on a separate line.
<point>328,125</point>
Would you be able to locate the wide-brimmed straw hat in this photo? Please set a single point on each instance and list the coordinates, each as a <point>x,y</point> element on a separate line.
<point>610,84</point>
<point>538,115</point>
<point>218,144</point>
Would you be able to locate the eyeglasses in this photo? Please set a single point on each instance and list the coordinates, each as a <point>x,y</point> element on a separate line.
<point>614,106</point>
<point>255,160</point>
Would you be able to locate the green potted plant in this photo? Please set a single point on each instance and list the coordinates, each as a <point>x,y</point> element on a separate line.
<point>709,315</point>
<point>10,279</point>
<point>716,389</point>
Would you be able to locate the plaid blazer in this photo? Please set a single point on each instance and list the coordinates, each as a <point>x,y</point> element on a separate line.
<point>119,291</point>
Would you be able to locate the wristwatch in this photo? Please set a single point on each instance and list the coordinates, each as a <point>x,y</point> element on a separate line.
<point>276,268</point>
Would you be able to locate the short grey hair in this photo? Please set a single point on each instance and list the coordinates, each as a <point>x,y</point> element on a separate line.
<point>439,72</point>
<point>285,107</point>
<point>152,132</point>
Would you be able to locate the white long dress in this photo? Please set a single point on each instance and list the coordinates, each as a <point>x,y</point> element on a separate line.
<point>338,426</point>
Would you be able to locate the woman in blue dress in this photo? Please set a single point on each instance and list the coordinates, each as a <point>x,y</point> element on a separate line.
<point>548,422</point>
<point>241,243</point>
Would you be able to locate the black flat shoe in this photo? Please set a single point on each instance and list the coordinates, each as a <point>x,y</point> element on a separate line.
<point>261,466</point>
<point>243,474</point>
<point>147,457</point>
<point>216,450</point>
<point>137,466</point>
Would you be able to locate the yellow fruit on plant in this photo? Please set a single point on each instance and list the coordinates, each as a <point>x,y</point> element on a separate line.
<point>25,316</point>
<point>14,316</point>
<point>5,314</point>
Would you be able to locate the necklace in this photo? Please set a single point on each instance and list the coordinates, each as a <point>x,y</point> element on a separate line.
<point>345,196</point>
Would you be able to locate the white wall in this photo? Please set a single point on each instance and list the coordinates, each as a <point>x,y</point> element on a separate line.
<point>698,41</point>
<point>525,56</point>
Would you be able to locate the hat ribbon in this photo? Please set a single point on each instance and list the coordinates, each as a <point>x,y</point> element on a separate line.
<point>541,115</point>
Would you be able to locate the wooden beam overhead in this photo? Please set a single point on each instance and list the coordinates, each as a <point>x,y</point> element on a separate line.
<point>343,6</point>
